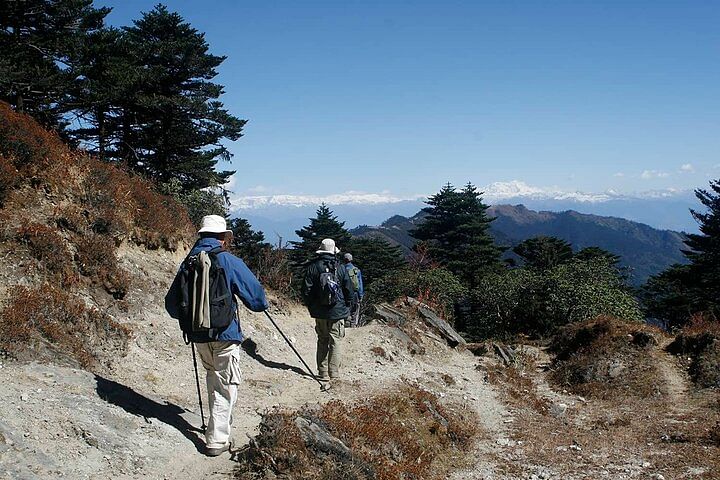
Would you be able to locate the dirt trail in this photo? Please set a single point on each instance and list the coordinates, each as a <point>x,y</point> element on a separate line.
<point>676,381</point>
<point>140,418</point>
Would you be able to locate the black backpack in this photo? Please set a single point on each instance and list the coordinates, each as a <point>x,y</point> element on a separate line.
<point>329,285</point>
<point>221,301</point>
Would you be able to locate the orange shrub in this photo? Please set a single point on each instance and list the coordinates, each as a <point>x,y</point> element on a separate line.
<point>97,260</point>
<point>45,322</point>
<point>9,177</point>
<point>49,247</point>
<point>403,434</point>
<point>22,139</point>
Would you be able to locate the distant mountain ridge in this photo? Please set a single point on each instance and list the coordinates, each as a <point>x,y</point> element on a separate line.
<point>644,249</point>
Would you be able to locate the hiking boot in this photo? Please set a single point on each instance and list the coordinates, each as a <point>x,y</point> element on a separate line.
<point>323,377</point>
<point>214,452</point>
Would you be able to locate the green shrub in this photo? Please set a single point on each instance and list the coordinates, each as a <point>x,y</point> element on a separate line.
<point>436,287</point>
<point>538,302</point>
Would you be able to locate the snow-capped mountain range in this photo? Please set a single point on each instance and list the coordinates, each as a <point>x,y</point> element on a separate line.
<point>281,215</point>
<point>493,193</point>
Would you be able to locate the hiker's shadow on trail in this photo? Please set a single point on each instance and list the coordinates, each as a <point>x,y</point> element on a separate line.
<point>250,348</point>
<point>137,404</point>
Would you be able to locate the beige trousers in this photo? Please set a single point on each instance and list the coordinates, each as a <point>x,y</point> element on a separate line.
<point>329,349</point>
<point>222,365</point>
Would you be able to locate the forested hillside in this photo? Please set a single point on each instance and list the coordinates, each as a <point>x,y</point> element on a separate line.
<point>644,250</point>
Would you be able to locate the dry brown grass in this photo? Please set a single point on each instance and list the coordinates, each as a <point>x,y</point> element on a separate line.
<point>48,246</point>
<point>618,432</point>
<point>38,323</point>
<point>606,357</point>
<point>71,212</point>
<point>519,386</point>
<point>611,438</point>
<point>699,341</point>
<point>380,352</point>
<point>403,434</point>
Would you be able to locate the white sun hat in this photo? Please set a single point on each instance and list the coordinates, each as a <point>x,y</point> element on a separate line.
<point>213,224</point>
<point>328,246</point>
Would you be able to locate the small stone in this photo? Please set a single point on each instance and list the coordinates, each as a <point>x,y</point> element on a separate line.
<point>24,397</point>
<point>645,464</point>
<point>657,476</point>
<point>558,409</point>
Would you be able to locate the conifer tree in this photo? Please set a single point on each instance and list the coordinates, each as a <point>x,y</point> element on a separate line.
<point>704,248</point>
<point>324,225</point>
<point>173,125</point>
<point>589,253</point>
<point>37,41</point>
<point>376,258</point>
<point>246,242</point>
<point>682,290</point>
<point>106,78</point>
<point>543,253</point>
<point>455,232</point>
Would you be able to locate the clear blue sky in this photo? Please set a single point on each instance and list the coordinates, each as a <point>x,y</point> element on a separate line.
<point>406,95</point>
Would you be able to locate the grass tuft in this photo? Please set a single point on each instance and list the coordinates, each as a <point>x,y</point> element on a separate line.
<point>403,434</point>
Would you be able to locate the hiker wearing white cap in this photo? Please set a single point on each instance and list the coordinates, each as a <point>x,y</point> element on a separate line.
<point>328,292</point>
<point>357,281</point>
<point>218,348</point>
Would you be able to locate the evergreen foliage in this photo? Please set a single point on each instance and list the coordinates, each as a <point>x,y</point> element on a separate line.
<point>537,302</point>
<point>324,225</point>
<point>376,258</point>
<point>173,123</point>
<point>38,39</point>
<point>246,243</point>
<point>436,286</point>
<point>683,290</point>
<point>198,202</point>
<point>141,95</point>
<point>589,253</point>
<point>543,252</point>
<point>455,233</point>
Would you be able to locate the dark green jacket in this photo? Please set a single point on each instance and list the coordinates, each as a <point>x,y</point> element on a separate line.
<point>311,286</point>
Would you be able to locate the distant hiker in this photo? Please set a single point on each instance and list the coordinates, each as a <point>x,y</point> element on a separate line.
<point>203,298</point>
<point>357,281</point>
<point>328,292</point>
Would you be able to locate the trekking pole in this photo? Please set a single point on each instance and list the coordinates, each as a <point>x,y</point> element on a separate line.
<point>197,383</point>
<point>323,386</point>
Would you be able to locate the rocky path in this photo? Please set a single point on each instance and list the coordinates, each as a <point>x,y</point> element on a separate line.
<point>140,419</point>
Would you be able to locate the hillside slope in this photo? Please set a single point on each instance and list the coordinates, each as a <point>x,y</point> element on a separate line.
<point>643,249</point>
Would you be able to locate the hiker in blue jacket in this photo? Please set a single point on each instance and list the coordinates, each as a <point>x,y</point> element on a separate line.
<point>356,277</point>
<point>221,355</point>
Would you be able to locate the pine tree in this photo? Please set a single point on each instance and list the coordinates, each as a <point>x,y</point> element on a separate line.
<point>246,242</point>
<point>682,290</point>
<point>106,77</point>
<point>324,225</point>
<point>543,253</point>
<point>704,248</point>
<point>589,253</point>
<point>455,232</point>
<point>146,99</point>
<point>37,41</point>
<point>376,258</point>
